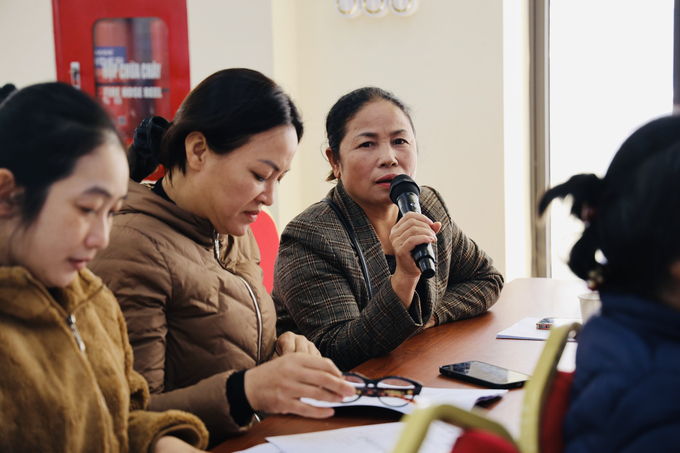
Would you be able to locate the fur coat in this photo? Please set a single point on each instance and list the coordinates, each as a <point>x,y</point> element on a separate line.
<point>67,383</point>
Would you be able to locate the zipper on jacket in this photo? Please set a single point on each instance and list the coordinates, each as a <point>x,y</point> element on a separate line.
<point>71,321</point>
<point>259,319</point>
<point>216,246</point>
<point>258,313</point>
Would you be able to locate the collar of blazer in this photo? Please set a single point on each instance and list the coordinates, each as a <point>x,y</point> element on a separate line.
<point>368,239</point>
<point>358,220</point>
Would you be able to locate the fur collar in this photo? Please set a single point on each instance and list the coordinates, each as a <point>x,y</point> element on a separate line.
<point>24,297</point>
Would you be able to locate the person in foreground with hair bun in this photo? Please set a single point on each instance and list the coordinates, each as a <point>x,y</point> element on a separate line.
<point>183,261</point>
<point>625,392</point>
<point>319,287</point>
<point>66,377</point>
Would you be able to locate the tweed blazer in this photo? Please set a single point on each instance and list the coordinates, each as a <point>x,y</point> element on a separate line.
<point>320,292</point>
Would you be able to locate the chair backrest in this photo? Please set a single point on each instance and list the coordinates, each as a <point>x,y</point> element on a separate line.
<point>554,412</point>
<point>419,421</point>
<point>481,441</point>
<point>545,403</point>
<point>539,389</point>
<point>267,237</point>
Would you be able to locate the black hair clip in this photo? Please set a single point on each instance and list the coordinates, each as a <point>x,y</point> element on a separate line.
<point>148,135</point>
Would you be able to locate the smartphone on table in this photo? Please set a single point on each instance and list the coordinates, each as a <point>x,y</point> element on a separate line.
<point>485,374</point>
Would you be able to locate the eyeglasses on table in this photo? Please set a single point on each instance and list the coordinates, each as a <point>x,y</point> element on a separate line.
<point>392,391</point>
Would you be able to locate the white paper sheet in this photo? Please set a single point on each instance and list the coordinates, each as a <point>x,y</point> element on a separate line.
<point>465,399</point>
<point>526,330</point>
<point>379,438</point>
<point>262,448</point>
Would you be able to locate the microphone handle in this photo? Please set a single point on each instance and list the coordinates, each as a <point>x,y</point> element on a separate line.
<point>423,254</point>
<point>424,257</point>
<point>408,202</point>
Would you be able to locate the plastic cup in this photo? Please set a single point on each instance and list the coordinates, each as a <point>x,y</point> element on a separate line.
<point>590,304</point>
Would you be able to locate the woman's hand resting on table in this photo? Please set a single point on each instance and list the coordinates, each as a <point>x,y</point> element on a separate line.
<point>277,386</point>
<point>413,229</point>
<point>289,342</point>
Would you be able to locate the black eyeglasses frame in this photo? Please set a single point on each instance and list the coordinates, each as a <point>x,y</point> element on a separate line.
<point>371,389</point>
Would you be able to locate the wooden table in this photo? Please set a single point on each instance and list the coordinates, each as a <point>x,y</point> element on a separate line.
<point>419,358</point>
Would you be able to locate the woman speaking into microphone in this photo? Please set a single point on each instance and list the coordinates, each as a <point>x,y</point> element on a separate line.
<point>345,275</point>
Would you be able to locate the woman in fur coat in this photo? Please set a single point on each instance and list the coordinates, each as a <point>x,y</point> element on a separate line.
<point>67,382</point>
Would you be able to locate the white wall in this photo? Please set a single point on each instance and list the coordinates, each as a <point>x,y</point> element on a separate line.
<point>26,42</point>
<point>229,34</point>
<point>446,61</point>
<point>516,66</point>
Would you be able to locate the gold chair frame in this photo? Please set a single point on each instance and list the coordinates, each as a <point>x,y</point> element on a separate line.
<point>536,393</point>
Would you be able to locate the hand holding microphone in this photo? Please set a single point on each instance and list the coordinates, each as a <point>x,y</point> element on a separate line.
<point>404,192</point>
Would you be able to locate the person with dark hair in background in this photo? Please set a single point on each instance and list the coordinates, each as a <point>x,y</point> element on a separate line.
<point>183,261</point>
<point>319,289</point>
<point>66,379</point>
<point>625,392</point>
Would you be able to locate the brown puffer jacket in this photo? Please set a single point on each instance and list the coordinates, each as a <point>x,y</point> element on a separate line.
<point>55,397</point>
<point>192,320</point>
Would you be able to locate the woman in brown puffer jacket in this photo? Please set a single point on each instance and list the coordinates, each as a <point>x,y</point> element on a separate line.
<point>66,379</point>
<point>184,264</point>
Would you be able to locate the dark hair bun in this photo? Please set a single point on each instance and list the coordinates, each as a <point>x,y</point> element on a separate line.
<point>631,215</point>
<point>228,108</point>
<point>146,147</point>
<point>585,189</point>
<point>148,136</point>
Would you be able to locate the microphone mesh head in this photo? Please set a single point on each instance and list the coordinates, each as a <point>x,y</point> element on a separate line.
<point>402,184</point>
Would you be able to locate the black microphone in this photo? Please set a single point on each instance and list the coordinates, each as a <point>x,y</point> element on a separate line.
<point>404,193</point>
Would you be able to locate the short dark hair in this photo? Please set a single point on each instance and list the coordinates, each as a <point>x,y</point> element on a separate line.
<point>632,215</point>
<point>347,108</point>
<point>44,130</point>
<point>228,107</point>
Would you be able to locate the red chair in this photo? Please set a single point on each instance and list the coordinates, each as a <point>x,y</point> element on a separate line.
<point>546,400</point>
<point>267,237</point>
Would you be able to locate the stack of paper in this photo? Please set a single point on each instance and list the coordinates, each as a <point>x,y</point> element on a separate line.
<point>380,438</point>
<point>526,330</point>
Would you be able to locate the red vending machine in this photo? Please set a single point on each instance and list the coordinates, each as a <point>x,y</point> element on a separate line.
<point>131,54</point>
